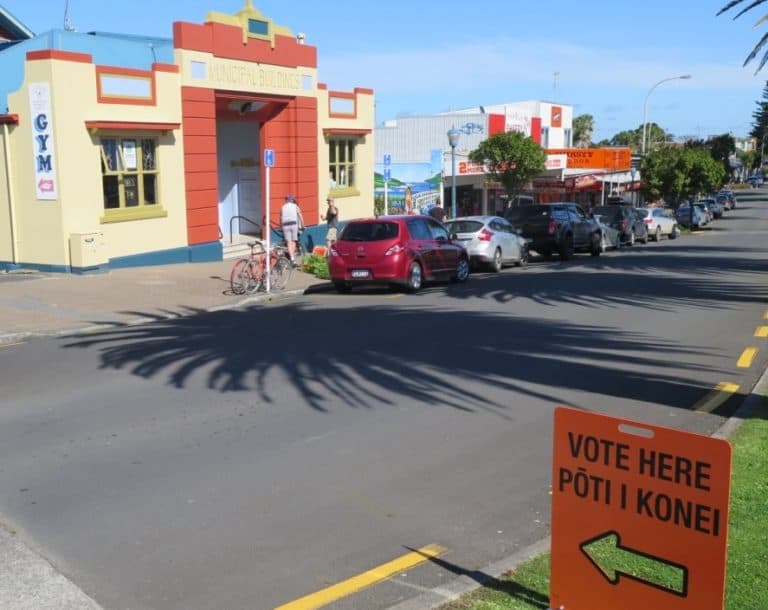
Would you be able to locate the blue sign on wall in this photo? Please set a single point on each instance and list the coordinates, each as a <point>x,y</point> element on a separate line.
<point>269,157</point>
<point>387,159</point>
<point>387,175</point>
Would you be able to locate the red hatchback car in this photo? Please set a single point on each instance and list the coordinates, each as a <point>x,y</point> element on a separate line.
<point>404,251</point>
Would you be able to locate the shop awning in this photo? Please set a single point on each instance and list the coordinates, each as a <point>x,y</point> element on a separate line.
<point>96,126</point>
<point>9,119</point>
<point>340,131</point>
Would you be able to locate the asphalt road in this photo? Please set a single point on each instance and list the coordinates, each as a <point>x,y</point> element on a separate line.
<point>244,459</point>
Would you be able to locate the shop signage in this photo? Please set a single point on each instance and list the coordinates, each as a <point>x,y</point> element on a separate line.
<point>556,162</point>
<point>639,515</point>
<point>42,141</point>
<point>614,159</point>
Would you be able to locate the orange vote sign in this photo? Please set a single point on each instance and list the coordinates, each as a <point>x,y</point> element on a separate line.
<point>639,515</point>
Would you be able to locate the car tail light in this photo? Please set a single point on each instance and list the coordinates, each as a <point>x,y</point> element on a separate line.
<point>485,235</point>
<point>396,249</point>
<point>552,227</point>
<point>649,221</point>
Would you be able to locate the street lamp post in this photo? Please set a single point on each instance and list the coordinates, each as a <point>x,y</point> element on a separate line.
<point>645,105</point>
<point>453,140</point>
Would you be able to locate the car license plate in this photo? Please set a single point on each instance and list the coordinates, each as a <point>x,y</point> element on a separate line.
<point>359,273</point>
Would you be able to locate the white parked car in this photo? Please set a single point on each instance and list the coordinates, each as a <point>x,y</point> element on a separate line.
<point>490,240</point>
<point>660,222</point>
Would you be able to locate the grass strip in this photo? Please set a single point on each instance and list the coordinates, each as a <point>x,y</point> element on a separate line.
<point>527,587</point>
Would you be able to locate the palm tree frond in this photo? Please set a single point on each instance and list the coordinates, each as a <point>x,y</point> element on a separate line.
<point>760,21</point>
<point>749,7</point>
<point>762,62</point>
<point>758,47</point>
<point>728,7</point>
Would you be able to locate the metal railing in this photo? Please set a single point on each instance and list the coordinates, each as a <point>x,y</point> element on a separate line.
<point>232,220</point>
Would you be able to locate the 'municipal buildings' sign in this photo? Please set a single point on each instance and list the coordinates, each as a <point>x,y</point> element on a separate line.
<point>42,141</point>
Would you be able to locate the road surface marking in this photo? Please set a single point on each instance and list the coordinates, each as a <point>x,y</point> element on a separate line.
<point>765,315</point>
<point>722,392</point>
<point>366,579</point>
<point>762,332</point>
<point>747,358</point>
<point>12,344</point>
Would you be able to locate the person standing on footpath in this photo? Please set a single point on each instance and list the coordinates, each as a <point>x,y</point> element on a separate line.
<point>332,220</point>
<point>292,222</point>
<point>437,212</point>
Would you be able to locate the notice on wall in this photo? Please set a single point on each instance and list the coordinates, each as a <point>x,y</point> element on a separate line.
<point>42,141</point>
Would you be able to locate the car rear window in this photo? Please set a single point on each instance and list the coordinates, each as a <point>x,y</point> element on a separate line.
<point>370,231</point>
<point>464,226</point>
<point>607,212</point>
<point>528,211</point>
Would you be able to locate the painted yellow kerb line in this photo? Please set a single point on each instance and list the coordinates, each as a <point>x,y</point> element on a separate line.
<point>747,358</point>
<point>761,332</point>
<point>722,392</point>
<point>366,579</point>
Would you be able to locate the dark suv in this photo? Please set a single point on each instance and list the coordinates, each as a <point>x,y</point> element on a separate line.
<point>561,227</point>
<point>626,220</point>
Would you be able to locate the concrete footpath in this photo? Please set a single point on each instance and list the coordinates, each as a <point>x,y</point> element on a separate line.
<point>48,304</point>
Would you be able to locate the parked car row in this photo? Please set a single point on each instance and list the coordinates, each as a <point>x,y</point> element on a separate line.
<point>705,210</point>
<point>407,251</point>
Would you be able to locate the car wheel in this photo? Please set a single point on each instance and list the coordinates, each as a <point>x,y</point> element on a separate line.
<point>567,248</point>
<point>462,271</point>
<point>631,241</point>
<point>675,232</point>
<point>597,245</point>
<point>496,263</point>
<point>523,256</point>
<point>415,277</point>
<point>342,287</point>
<point>658,234</point>
<point>645,239</point>
<point>604,245</point>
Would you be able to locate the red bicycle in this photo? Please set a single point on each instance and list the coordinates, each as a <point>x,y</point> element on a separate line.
<point>249,275</point>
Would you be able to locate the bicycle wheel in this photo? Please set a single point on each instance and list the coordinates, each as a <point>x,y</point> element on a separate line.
<point>281,273</point>
<point>244,278</point>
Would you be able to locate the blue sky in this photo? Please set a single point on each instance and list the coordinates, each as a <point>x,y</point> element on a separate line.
<point>601,56</point>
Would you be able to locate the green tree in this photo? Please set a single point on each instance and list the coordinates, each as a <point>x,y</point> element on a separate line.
<point>760,117</point>
<point>750,160</point>
<point>721,148</point>
<point>511,159</point>
<point>633,137</point>
<point>583,128</point>
<point>680,173</point>
<point>763,40</point>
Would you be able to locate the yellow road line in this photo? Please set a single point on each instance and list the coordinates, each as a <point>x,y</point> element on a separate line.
<point>366,579</point>
<point>722,392</point>
<point>747,358</point>
<point>765,315</point>
<point>762,332</point>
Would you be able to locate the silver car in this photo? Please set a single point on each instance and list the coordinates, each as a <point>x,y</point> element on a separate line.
<point>660,222</point>
<point>490,240</point>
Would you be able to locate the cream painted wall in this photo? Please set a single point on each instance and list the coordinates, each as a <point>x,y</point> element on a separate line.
<point>39,223</point>
<point>45,227</point>
<point>357,206</point>
<point>6,248</point>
